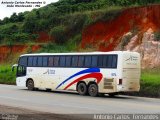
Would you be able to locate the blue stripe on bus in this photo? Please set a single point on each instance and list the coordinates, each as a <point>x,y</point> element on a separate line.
<point>89,70</point>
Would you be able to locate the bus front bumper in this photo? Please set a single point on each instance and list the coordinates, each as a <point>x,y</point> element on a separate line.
<point>21,82</point>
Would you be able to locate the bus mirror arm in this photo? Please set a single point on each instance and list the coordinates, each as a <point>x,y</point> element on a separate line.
<point>15,65</point>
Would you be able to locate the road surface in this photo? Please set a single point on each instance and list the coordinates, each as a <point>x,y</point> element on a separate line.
<point>72,103</point>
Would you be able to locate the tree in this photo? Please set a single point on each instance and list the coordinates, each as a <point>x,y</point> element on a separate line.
<point>14,18</point>
<point>30,23</point>
<point>1,22</point>
<point>6,20</point>
<point>20,17</point>
<point>20,37</point>
<point>59,34</point>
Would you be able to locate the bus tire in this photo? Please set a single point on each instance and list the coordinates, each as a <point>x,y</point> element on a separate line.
<point>30,85</point>
<point>82,88</point>
<point>93,90</point>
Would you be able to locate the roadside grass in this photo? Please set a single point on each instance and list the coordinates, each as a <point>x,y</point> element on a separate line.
<point>6,75</point>
<point>150,83</point>
<point>151,76</point>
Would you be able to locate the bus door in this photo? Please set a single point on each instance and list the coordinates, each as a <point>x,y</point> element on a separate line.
<point>21,72</point>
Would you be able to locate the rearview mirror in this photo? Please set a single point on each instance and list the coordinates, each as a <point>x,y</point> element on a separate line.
<point>15,65</point>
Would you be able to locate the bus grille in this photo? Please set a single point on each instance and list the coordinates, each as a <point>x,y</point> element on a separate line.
<point>108,83</point>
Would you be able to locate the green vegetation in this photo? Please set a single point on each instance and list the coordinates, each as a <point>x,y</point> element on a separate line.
<point>150,82</point>
<point>157,35</point>
<point>6,75</point>
<point>62,20</point>
<point>12,33</point>
<point>59,34</point>
<point>70,46</point>
<point>151,76</point>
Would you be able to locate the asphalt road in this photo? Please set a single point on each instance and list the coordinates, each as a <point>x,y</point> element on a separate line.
<point>72,103</point>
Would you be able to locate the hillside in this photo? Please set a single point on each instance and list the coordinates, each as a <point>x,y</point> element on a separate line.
<point>134,29</point>
<point>84,25</point>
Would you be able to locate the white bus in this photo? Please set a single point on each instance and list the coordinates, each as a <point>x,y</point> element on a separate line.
<point>90,73</point>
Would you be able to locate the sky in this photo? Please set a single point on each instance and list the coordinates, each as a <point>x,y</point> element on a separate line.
<point>8,11</point>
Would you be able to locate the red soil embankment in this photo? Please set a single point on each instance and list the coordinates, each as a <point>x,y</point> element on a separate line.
<point>44,37</point>
<point>105,35</point>
<point>7,51</point>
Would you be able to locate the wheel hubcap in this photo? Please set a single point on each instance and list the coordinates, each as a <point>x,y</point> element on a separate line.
<point>30,84</point>
<point>92,89</point>
<point>82,88</point>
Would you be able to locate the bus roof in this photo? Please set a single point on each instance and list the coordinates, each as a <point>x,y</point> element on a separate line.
<point>76,53</point>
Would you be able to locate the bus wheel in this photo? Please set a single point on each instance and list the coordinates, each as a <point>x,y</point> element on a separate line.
<point>30,85</point>
<point>93,90</point>
<point>82,89</point>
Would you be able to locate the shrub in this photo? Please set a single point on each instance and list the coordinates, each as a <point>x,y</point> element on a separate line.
<point>9,29</point>
<point>73,42</point>
<point>59,34</point>
<point>30,23</point>
<point>34,36</point>
<point>157,36</point>
<point>75,23</point>
<point>53,48</point>
<point>20,37</point>
<point>125,40</point>
<point>6,75</point>
<point>1,37</point>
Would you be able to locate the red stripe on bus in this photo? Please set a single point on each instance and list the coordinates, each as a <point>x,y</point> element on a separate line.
<point>98,77</point>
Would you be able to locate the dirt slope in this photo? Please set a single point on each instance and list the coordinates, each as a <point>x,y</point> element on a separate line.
<point>131,30</point>
<point>9,53</point>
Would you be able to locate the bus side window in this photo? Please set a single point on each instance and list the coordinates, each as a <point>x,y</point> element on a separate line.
<point>30,61</point>
<point>109,63</point>
<point>68,61</point>
<point>56,61</point>
<point>34,61</point>
<point>74,61</point>
<point>94,61</point>
<point>87,61</point>
<point>62,61</point>
<point>114,61</point>
<point>39,63</point>
<point>80,61</point>
<point>45,61</point>
<point>100,61</point>
<point>50,61</point>
<point>105,61</point>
